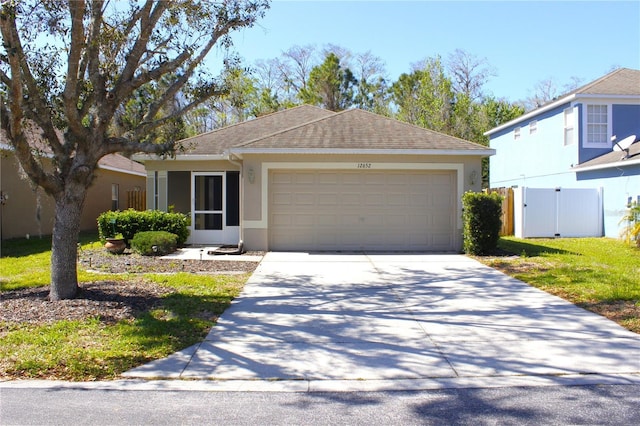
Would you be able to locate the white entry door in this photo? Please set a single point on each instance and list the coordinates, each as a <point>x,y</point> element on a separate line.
<point>208,214</point>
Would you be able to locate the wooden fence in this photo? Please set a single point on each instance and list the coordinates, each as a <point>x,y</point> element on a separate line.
<point>507,209</point>
<point>137,200</point>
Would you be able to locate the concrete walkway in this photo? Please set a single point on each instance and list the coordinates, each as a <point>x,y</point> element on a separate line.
<point>323,322</point>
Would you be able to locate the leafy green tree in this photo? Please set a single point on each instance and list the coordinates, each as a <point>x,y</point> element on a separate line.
<point>404,95</point>
<point>425,97</point>
<point>67,68</point>
<point>330,85</point>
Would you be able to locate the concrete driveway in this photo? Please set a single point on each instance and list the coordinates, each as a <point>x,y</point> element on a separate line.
<point>399,321</point>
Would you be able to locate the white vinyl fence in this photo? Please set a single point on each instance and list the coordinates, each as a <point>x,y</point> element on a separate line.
<point>558,212</point>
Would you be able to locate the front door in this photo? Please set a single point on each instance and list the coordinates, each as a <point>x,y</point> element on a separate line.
<point>209,222</point>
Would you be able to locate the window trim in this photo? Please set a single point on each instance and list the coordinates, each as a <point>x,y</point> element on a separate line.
<point>517,133</point>
<point>585,126</point>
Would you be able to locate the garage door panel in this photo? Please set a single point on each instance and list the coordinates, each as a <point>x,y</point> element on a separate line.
<point>304,199</point>
<point>325,199</point>
<point>362,210</point>
<point>304,178</point>
<point>351,199</point>
<point>374,200</point>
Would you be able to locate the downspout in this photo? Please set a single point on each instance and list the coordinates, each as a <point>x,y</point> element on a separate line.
<point>241,195</point>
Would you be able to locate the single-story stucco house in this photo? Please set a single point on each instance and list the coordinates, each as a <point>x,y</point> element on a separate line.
<point>315,180</point>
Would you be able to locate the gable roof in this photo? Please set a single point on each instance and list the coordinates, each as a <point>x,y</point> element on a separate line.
<point>361,131</point>
<point>220,140</point>
<point>621,83</point>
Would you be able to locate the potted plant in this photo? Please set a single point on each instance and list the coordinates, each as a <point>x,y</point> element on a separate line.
<point>116,244</point>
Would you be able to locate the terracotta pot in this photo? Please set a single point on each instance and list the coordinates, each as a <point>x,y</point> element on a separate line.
<point>115,245</point>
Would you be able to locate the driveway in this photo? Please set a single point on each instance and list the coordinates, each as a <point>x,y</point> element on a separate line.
<point>399,321</point>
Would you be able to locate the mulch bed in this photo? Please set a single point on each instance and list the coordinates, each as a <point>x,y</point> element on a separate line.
<point>110,301</point>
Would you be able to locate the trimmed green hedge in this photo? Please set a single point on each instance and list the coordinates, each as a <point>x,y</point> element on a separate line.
<point>144,242</point>
<point>482,217</point>
<point>130,222</point>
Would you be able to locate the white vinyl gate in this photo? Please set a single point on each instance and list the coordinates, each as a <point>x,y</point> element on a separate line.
<point>557,212</point>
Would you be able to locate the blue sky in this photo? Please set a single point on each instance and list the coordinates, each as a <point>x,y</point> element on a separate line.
<point>525,42</point>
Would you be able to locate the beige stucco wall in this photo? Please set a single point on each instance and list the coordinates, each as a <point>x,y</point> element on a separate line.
<point>21,211</point>
<point>24,204</point>
<point>254,232</point>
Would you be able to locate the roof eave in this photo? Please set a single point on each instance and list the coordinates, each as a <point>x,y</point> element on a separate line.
<point>556,104</point>
<point>531,114</point>
<point>316,151</point>
<point>617,164</point>
<point>179,157</point>
<point>116,169</point>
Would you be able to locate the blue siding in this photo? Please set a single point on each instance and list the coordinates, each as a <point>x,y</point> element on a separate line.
<point>626,120</point>
<point>542,161</point>
<point>619,184</point>
<point>541,157</point>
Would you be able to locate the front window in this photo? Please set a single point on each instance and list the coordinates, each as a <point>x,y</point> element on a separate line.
<point>516,133</point>
<point>597,125</point>
<point>533,127</point>
<point>115,196</point>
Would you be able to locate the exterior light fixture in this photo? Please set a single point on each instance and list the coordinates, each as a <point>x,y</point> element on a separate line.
<point>251,174</point>
<point>473,176</point>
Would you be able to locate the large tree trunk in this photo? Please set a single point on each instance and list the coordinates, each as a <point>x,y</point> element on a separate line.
<point>64,250</point>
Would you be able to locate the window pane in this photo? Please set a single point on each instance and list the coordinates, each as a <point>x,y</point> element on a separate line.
<point>233,199</point>
<point>208,193</point>
<point>217,192</point>
<point>597,124</point>
<point>208,221</point>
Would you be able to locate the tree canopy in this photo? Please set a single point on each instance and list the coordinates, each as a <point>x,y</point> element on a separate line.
<point>85,78</point>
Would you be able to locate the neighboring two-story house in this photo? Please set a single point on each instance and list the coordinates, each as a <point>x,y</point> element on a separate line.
<point>571,142</point>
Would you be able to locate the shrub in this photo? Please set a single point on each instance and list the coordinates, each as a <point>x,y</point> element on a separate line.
<point>631,221</point>
<point>130,222</point>
<point>482,217</point>
<point>144,243</point>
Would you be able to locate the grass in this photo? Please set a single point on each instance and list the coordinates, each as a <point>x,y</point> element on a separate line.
<point>27,262</point>
<point>599,274</point>
<point>96,350</point>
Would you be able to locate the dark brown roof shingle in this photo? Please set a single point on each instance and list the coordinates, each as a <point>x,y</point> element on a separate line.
<point>220,140</point>
<point>356,129</point>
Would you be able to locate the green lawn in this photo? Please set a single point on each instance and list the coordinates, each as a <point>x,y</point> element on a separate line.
<point>96,349</point>
<point>599,274</point>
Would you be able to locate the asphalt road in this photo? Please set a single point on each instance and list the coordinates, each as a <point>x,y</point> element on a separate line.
<point>591,405</point>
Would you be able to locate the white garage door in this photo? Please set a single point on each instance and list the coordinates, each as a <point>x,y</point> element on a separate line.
<point>362,210</point>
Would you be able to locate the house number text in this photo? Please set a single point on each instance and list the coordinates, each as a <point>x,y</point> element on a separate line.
<point>364,165</point>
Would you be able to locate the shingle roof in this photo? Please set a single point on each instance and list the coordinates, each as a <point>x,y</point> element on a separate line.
<point>220,140</point>
<point>116,162</point>
<point>122,164</point>
<point>356,129</point>
<point>623,81</point>
<point>613,159</point>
